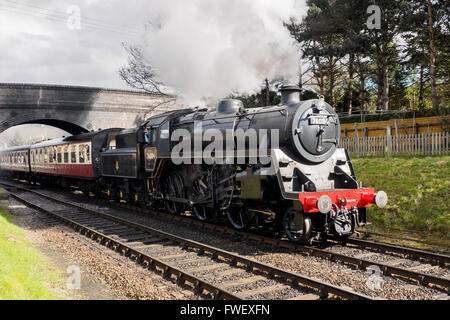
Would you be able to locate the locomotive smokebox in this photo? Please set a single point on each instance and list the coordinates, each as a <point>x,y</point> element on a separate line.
<point>290,94</point>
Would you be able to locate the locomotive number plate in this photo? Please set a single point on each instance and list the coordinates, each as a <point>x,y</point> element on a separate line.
<point>318,120</point>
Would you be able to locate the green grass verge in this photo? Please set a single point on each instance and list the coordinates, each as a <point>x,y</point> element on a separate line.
<point>25,274</point>
<point>418,188</point>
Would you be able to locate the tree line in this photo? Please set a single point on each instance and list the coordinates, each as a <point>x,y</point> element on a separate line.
<point>361,55</point>
<point>383,54</point>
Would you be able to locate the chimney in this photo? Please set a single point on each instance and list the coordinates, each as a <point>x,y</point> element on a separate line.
<point>290,94</point>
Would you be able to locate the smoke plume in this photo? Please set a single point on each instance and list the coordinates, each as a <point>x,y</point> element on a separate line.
<point>207,49</point>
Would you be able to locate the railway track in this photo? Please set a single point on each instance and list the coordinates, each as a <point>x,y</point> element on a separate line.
<point>388,268</point>
<point>440,247</point>
<point>208,270</point>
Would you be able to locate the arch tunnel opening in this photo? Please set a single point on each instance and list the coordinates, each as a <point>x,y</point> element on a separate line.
<point>33,131</point>
<point>69,127</point>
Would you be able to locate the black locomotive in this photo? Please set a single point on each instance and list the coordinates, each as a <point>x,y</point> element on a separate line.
<point>277,166</point>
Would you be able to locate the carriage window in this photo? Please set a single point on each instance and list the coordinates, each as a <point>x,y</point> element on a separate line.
<point>41,158</point>
<point>59,155</point>
<point>82,153</point>
<point>88,153</point>
<point>164,131</point>
<point>50,155</point>
<point>46,155</point>
<point>73,154</point>
<point>66,154</point>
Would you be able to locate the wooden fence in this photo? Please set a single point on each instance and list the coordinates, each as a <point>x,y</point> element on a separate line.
<point>399,127</point>
<point>417,144</point>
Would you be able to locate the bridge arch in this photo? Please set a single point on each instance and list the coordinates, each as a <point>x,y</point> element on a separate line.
<point>77,109</point>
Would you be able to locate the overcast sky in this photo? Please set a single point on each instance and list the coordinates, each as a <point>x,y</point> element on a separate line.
<point>38,46</point>
<point>41,43</point>
<point>201,48</point>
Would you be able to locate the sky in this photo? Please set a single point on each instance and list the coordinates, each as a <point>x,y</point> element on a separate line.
<point>41,41</point>
<point>189,42</point>
<point>202,49</point>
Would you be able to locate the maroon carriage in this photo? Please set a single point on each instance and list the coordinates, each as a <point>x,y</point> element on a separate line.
<point>15,161</point>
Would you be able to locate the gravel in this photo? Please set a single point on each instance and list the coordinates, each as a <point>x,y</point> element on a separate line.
<point>335,273</point>
<point>105,273</point>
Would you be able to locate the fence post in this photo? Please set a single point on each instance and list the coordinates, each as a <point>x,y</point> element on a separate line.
<point>388,141</point>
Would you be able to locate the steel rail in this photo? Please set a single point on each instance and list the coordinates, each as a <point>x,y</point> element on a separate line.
<point>323,288</point>
<point>427,256</point>
<point>387,270</point>
<point>422,278</point>
<point>153,263</point>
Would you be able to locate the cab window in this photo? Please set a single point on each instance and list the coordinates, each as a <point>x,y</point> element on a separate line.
<point>147,135</point>
<point>164,131</point>
<point>154,136</point>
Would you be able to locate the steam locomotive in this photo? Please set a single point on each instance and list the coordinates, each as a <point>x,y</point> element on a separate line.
<point>219,164</point>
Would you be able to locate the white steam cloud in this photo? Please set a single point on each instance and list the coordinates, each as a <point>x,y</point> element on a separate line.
<point>210,48</point>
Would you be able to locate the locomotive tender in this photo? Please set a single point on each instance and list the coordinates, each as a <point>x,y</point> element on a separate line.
<point>295,178</point>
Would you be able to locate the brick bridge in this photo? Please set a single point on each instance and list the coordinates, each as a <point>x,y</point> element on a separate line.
<point>76,109</point>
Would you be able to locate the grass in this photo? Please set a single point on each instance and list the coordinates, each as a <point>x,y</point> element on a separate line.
<point>25,274</point>
<point>418,188</point>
